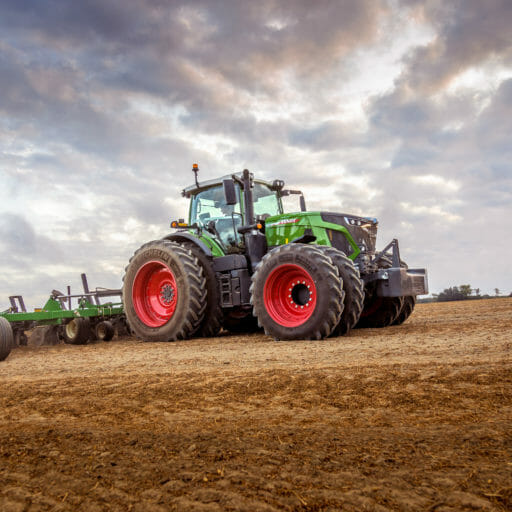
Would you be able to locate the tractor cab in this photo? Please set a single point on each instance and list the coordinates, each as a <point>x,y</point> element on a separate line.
<point>217,208</point>
<point>209,210</point>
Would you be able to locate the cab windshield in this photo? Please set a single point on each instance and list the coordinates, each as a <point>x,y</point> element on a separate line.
<point>266,202</point>
<point>209,210</point>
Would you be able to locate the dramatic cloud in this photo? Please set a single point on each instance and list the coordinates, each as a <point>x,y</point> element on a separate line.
<point>395,109</point>
<point>469,34</point>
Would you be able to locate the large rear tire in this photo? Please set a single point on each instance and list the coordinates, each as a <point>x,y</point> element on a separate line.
<point>212,321</point>
<point>297,293</point>
<point>6,338</point>
<point>353,288</point>
<point>164,292</point>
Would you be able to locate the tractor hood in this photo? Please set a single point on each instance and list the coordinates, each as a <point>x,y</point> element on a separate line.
<point>362,229</point>
<point>349,233</point>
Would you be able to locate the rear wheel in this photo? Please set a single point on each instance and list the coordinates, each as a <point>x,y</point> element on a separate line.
<point>212,321</point>
<point>353,288</point>
<point>164,292</point>
<point>406,311</point>
<point>297,293</point>
<point>379,311</point>
<point>6,338</point>
<point>407,306</point>
<point>77,331</point>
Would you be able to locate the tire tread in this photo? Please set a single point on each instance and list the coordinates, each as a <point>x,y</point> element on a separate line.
<point>196,287</point>
<point>334,293</point>
<point>6,338</point>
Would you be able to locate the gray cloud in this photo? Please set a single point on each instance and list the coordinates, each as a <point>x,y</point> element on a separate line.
<point>104,107</point>
<point>22,252</point>
<point>469,32</point>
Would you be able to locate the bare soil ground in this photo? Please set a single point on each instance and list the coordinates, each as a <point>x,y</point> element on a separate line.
<point>415,417</point>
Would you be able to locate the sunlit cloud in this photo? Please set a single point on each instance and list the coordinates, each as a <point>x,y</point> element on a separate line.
<point>395,109</point>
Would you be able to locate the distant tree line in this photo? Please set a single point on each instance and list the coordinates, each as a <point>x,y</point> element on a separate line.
<point>462,292</point>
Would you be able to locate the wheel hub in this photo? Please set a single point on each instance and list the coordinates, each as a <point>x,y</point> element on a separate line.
<point>167,293</point>
<point>300,294</point>
<point>71,329</point>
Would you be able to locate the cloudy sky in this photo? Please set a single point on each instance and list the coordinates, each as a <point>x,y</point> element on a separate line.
<point>398,109</point>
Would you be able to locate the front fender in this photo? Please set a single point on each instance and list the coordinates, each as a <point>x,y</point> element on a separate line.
<point>184,236</point>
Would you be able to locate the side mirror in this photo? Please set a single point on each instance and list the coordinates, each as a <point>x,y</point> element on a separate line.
<point>229,192</point>
<point>302,201</point>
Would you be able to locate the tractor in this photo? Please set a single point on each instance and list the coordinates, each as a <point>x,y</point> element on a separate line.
<point>241,263</point>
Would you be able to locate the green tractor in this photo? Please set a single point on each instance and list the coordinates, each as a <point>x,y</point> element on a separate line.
<point>241,263</point>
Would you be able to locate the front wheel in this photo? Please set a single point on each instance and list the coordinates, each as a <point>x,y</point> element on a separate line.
<point>164,292</point>
<point>212,321</point>
<point>353,288</point>
<point>297,293</point>
<point>406,311</point>
<point>379,311</point>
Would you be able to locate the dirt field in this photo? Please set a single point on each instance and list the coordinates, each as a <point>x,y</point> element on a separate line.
<point>416,417</point>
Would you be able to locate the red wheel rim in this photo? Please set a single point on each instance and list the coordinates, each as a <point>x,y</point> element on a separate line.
<point>289,295</point>
<point>154,293</point>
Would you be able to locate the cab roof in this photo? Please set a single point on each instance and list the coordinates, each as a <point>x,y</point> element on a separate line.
<point>203,185</point>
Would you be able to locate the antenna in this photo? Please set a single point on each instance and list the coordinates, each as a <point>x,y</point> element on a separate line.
<point>195,170</point>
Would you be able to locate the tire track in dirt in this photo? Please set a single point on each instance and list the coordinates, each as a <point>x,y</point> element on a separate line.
<point>416,417</point>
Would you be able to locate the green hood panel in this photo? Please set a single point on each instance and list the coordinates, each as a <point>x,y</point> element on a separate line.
<point>283,229</point>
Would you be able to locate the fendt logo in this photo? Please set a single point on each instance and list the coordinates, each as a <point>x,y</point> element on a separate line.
<point>281,222</point>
